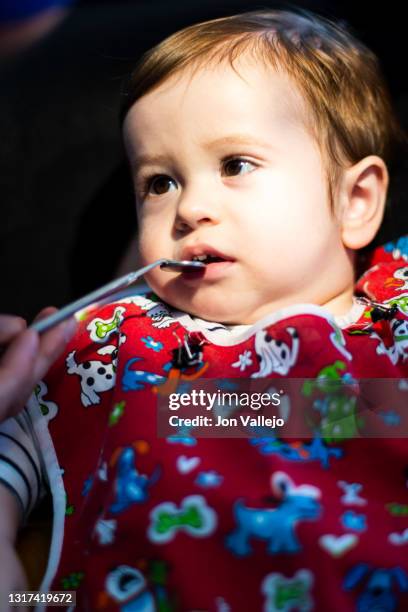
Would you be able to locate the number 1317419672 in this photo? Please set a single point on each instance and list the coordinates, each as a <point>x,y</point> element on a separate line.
<point>32,598</point>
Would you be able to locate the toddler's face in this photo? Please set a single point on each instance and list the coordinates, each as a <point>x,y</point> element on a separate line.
<point>224,167</point>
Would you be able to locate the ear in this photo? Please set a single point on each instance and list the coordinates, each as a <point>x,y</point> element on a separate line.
<point>281,484</point>
<point>362,195</point>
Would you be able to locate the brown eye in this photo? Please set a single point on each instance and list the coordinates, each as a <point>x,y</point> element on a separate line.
<point>236,166</point>
<point>160,184</point>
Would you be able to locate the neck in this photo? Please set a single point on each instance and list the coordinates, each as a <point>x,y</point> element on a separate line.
<point>340,304</point>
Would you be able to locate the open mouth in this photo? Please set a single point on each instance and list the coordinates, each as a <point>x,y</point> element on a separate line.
<point>216,263</point>
<point>208,259</point>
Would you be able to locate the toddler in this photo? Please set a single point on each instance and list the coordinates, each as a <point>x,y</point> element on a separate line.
<point>258,144</point>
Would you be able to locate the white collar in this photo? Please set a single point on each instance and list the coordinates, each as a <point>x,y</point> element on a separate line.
<point>230,335</point>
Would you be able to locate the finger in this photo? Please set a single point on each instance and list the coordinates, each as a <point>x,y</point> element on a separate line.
<point>45,312</point>
<point>10,326</point>
<point>52,343</point>
<point>16,373</point>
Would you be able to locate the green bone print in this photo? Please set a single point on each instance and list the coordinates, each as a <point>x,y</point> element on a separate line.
<point>117,413</point>
<point>72,581</point>
<point>102,328</point>
<point>286,593</point>
<point>397,509</point>
<point>401,302</point>
<point>166,521</point>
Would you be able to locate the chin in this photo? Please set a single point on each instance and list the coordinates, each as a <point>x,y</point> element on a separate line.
<point>208,309</point>
<point>211,304</point>
<point>219,313</point>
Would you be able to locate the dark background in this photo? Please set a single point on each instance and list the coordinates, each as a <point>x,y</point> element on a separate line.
<point>67,210</point>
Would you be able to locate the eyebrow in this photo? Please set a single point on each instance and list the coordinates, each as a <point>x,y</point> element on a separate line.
<point>243,139</point>
<point>237,139</point>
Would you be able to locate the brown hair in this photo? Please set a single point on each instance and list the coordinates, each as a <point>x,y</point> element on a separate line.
<point>340,78</point>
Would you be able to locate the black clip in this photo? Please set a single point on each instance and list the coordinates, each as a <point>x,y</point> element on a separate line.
<point>186,354</point>
<point>383,313</point>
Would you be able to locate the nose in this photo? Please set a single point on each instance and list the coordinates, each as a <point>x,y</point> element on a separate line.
<point>197,207</point>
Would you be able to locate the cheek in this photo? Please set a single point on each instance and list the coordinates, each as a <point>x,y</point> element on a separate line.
<point>304,207</point>
<point>147,242</point>
<point>154,239</point>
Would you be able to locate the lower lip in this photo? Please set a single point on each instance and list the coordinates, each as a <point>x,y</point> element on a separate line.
<point>211,271</point>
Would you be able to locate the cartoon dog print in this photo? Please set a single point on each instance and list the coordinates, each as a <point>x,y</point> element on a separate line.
<point>275,355</point>
<point>399,279</point>
<point>399,350</point>
<point>96,376</point>
<point>378,592</point>
<point>156,311</point>
<point>128,588</point>
<point>276,526</point>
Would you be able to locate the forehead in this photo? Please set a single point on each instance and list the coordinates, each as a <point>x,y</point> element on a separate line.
<point>215,100</point>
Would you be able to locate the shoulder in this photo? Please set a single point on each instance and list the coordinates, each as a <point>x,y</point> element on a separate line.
<point>109,338</point>
<point>386,282</point>
<point>102,329</point>
<point>99,324</point>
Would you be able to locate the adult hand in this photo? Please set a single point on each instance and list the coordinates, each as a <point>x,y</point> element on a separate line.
<point>26,358</point>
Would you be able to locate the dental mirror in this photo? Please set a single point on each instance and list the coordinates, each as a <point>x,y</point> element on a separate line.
<point>172,265</point>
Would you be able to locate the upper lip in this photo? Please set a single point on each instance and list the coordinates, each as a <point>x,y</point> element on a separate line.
<point>189,252</point>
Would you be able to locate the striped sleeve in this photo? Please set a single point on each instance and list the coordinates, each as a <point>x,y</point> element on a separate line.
<point>21,468</point>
